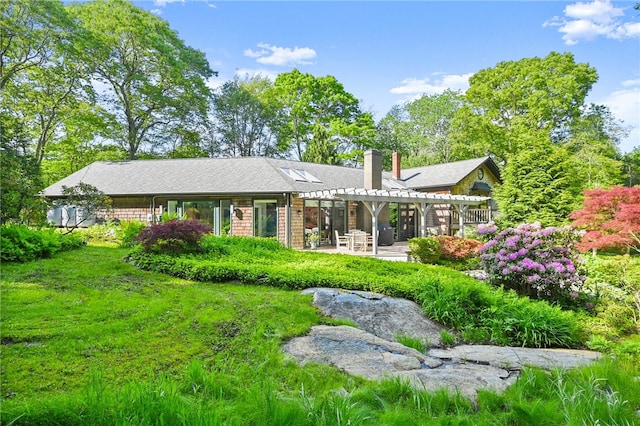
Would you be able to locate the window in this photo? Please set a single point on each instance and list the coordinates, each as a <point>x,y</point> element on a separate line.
<point>265,218</point>
<point>216,213</point>
<point>300,175</point>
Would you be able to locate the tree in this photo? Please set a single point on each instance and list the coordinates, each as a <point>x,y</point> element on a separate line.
<point>29,35</point>
<point>85,198</point>
<point>317,115</point>
<point>430,120</point>
<point>539,185</point>
<point>610,217</point>
<point>20,178</point>
<point>593,139</point>
<point>244,118</point>
<point>153,83</point>
<point>632,167</point>
<point>542,95</point>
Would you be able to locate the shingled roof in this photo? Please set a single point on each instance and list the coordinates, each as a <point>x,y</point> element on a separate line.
<point>211,176</point>
<point>446,174</point>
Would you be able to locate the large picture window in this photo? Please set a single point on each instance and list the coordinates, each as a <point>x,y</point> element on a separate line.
<point>216,213</point>
<point>265,218</point>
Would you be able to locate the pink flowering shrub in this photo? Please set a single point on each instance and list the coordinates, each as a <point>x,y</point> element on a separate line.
<point>535,262</point>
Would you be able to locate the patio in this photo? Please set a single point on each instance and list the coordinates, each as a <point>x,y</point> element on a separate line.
<point>396,252</point>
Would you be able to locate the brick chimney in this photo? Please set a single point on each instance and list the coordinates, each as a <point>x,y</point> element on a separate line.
<point>372,169</point>
<point>395,165</point>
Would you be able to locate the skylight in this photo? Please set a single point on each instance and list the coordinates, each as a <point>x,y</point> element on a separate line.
<point>300,175</point>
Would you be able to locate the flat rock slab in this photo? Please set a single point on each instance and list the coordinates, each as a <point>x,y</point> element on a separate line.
<point>359,353</point>
<point>371,351</point>
<point>382,316</point>
<point>516,358</point>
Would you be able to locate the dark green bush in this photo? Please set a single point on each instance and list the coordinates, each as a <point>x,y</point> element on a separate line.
<point>425,249</point>
<point>19,243</point>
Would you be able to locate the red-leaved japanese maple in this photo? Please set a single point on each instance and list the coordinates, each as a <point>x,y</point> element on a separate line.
<point>610,217</point>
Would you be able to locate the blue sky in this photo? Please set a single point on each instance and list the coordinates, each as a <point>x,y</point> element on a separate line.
<point>389,52</point>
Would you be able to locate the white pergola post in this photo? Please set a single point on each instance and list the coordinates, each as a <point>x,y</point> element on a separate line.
<point>423,208</point>
<point>374,208</point>
<point>462,209</point>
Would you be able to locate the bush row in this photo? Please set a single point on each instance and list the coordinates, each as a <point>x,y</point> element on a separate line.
<point>481,313</point>
<point>19,243</point>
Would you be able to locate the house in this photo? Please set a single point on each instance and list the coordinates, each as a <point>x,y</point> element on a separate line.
<point>477,176</point>
<point>286,199</point>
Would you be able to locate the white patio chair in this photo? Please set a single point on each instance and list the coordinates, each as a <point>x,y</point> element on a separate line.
<point>341,241</point>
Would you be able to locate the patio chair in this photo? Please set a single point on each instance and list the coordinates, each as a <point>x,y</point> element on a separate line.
<point>359,241</point>
<point>341,241</point>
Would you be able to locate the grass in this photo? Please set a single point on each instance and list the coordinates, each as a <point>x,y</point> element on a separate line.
<point>88,339</point>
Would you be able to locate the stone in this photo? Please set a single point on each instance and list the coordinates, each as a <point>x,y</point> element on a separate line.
<point>371,351</point>
<point>382,316</point>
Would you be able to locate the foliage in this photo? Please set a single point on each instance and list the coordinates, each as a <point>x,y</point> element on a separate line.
<point>536,262</point>
<point>425,249</point>
<point>155,85</point>
<point>119,344</point>
<point>319,121</point>
<point>611,218</point>
<point>22,244</point>
<point>420,129</point>
<point>616,282</point>
<point>632,167</point>
<point>539,185</point>
<point>244,118</point>
<point>506,103</point>
<point>455,248</point>
<point>173,237</point>
<point>128,231</point>
<point>593,141</point>
<point>445,294</point>
<point>20,178</point>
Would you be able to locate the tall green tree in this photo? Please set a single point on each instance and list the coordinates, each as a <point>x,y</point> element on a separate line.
<point>20,178</point>
<point>244,118</point>
<point>319,121</point>
<point>430,121</point>
<point>540,184</point>
<point>152,83</point>
<point>593,140</point>
<point>518,97</point>
<point>632,167</point>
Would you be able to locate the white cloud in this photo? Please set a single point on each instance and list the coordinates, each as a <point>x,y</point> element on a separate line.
<point>245,72</point>
<point>275,55</point>
<point>163,3</point>
<point>432,86</point>
<point>588,21</point>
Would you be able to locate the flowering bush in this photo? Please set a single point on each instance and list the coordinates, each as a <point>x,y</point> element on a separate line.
<point>173,237</point>
<point>454,248</point>
<point>539,263</point>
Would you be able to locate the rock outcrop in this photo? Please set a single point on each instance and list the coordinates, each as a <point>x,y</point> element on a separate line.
<point>370,351</point>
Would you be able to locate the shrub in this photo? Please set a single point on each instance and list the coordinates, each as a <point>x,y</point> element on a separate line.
<point>128,232</point>
<point>20,243</point>
<point>454,248</point>
<point>173,237</point>
<point>535,262</point>
<point>425,249</point>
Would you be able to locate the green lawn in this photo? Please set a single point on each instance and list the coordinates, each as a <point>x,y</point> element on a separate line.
<point>89,339</point>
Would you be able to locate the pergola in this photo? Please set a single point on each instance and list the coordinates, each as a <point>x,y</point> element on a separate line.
<point>375,199</point>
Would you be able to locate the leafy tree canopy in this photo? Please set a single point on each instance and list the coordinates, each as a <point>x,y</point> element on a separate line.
<point>518,97</point>
<point>153,83</point>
